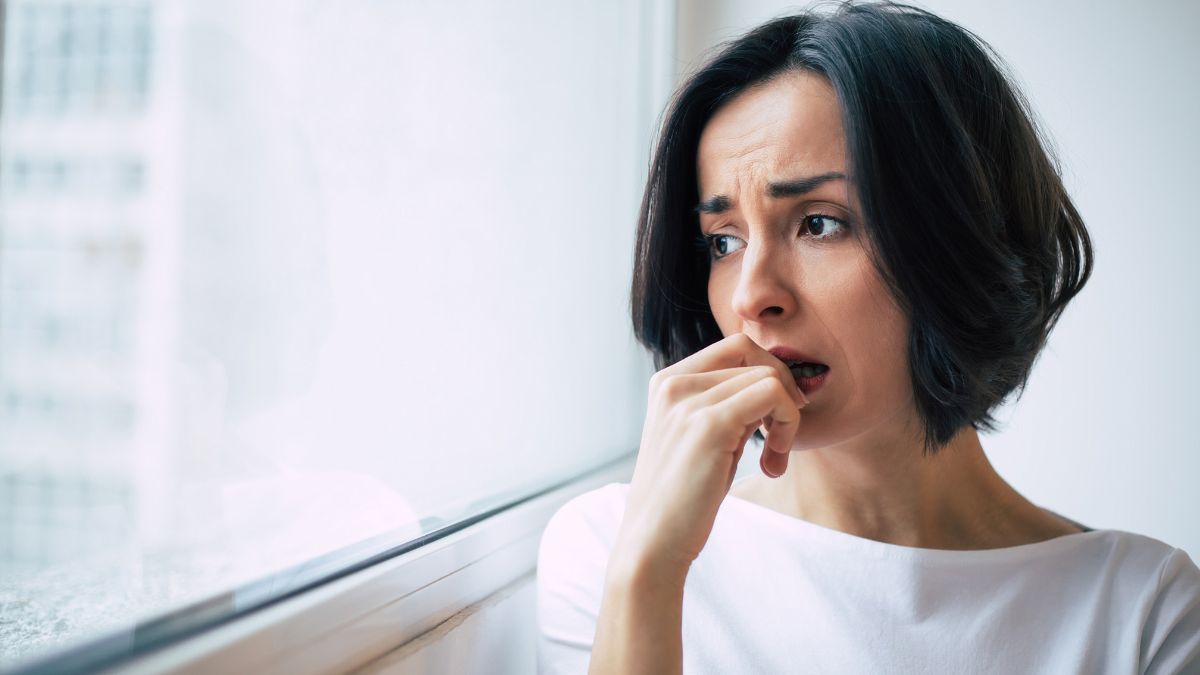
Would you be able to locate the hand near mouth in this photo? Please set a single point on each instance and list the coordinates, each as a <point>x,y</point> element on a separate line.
<point>701,412</point>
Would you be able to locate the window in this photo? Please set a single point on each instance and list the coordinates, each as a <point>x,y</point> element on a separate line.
<point>285,282</point>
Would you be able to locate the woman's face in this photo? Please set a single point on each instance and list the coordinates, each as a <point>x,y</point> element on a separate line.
<point>791,267</point>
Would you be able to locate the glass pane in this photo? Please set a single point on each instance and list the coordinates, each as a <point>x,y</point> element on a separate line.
<point>285,282</point>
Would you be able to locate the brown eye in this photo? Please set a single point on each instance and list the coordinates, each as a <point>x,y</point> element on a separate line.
<point>823,227</point>
<point>718,245</point>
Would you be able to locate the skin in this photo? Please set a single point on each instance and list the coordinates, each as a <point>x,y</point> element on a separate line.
<point>787,278</point>
<point>848,455</point>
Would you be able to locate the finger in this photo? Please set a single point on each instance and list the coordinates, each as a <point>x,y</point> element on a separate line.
<point>690,384</point>
<point>782,433</point>
<point>772,462</point>
<point>768,425</point>
<point>757,400</point>
<point>732,384</point>
<point>777,438</point>
<point>747,432</point>
<point>736,350</point>
<point>697,388</point>
<point>737,458</point>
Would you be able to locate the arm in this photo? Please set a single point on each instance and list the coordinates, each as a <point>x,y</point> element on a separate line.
<point>640,622</point>
<point>700,413</point>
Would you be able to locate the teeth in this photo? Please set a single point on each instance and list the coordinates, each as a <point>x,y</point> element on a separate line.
<point>809,370</point>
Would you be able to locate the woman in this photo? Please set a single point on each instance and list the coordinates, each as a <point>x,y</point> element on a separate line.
<point>853,240</point>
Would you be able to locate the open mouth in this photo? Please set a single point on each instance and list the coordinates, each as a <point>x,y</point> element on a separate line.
<point>803,369</point>
<point>809,376</point>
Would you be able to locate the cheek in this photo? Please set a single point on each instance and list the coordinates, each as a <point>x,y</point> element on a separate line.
<point>849,308</point>
<point>874,332</point>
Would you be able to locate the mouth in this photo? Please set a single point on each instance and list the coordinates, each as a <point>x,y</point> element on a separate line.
<point>810,374</point>
<point>806,370</point>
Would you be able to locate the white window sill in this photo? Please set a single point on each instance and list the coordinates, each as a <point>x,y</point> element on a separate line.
<point>347,623</point>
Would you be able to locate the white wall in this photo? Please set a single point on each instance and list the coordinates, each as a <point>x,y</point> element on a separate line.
<point>1104,432</point>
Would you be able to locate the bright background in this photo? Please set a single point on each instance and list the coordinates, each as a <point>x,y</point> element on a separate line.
<point>1104,433</point>
<point>279,277</point>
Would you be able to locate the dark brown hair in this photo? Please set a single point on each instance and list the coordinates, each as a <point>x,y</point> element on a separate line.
<point>963,202</point>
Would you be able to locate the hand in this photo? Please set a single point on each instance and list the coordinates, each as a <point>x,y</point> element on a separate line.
<point>700,413</point>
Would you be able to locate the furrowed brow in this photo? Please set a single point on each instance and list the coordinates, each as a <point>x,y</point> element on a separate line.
<point>789,188</point>
<point>801,186</point>
<point>715,204</point>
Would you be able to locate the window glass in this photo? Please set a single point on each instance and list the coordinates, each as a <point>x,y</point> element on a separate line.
<point>282,278</point>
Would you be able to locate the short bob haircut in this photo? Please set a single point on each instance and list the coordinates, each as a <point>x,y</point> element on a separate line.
<point>971,228</point>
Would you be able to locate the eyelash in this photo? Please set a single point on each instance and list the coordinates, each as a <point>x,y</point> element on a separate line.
<point>705,242</point>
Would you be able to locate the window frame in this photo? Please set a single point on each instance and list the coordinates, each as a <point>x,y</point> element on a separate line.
<point>348,622</point>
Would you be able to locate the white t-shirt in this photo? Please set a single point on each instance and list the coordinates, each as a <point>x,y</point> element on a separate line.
<point>771,593</point>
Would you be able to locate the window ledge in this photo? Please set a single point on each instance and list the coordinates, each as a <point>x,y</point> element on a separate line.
<point>349,622</point>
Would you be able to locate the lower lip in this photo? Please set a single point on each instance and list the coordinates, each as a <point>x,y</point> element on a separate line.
<point>810,384</point>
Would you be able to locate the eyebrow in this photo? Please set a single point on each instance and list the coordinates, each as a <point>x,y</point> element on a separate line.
<point>789,188</point>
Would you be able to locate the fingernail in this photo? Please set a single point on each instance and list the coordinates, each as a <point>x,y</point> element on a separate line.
<point>762,464</point>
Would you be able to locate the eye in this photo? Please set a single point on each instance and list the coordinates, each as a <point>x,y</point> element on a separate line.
<point>823,227</point>
<point>717,246</point>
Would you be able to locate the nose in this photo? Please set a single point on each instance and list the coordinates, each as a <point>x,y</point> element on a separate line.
<point>764,283</point>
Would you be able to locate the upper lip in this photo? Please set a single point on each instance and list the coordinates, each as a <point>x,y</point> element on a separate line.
<point>788,354</point>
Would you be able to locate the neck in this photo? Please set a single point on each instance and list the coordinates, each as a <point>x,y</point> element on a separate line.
<point>885,489</point>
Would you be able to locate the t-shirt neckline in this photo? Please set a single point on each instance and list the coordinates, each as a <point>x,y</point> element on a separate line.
<point>843,541</point>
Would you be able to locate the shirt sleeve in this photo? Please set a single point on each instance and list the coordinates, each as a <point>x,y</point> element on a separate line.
<point>1171,634</point>
<point>572,558</point>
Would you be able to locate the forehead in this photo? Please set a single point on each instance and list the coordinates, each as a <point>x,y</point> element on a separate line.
<point>785,128</point>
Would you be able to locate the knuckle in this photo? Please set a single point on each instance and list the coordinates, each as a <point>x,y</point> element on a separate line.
<point>657,378</point>
<point>671,388</point>
<point>776,384</point>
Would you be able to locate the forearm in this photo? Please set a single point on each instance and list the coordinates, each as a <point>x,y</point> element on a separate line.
<point>640,622</point>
